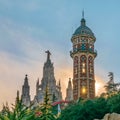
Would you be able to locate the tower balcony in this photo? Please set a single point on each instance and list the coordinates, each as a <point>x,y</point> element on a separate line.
<point>72,52</point>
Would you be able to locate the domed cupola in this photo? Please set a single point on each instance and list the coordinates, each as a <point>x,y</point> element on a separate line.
<point>83,29</point>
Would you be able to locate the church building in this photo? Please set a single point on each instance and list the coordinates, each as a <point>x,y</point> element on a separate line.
<point>48,80</point>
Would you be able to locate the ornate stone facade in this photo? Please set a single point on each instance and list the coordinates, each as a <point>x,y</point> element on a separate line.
<point>48,80</point>
<point>83,55</point>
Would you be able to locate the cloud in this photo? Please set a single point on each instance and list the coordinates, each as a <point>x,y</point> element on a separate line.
<point>12,74</point>
<point>22,53</point>
<point>19,53</point>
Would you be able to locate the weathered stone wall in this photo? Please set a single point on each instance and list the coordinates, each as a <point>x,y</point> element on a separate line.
<point>113,116</point>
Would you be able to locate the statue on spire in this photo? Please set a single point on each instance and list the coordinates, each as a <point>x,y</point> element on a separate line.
<point>48,54</point>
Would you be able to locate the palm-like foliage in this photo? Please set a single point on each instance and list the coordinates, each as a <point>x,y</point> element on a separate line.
<point>18,112</point>
<point>21,112</point>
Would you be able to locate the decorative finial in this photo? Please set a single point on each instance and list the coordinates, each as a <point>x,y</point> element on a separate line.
<point>83,20</point>
<point>48,54</point>
<point>83,13</point>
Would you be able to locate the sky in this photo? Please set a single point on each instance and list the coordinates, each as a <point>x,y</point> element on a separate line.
<point>30,27</point>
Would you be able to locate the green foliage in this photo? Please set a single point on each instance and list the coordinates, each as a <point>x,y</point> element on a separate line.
<point>114,103</point>
<point>21,112</point>
<point>79,110</point>
<point>86,110</point>
<point>18,112</point>
<point>101,107</point>
<point>46,108</point>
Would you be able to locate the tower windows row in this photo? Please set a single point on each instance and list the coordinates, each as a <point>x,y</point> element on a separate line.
<point>83,46</point>
<point>82,40</point>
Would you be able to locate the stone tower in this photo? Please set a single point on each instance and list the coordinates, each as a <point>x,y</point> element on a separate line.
<point>26,92</point>
<point>48,80</point>
<point>83,55</point>
<point>69,91</point>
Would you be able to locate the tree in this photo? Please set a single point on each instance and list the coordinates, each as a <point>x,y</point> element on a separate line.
<point>18,112</point>
<point>111,87</point>
<point>85,110</point>
<point>114,103</point>
<point>45,109</point>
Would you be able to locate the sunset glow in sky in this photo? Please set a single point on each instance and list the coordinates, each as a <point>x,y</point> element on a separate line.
<point>30,27</point>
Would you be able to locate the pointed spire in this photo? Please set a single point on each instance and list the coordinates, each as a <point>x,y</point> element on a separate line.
<point>83,13</point>
<point>69,84</point>
<point>26,80</point>
<point>26,92</point>
<point>69,91</point>
<point>83,20</point>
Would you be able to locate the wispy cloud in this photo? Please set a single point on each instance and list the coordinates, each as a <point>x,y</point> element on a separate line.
<point>25,55</point>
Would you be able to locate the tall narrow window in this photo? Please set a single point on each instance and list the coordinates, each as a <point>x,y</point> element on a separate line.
<point>83,67</point>
<point>90,64</point>
<point>91,68</point>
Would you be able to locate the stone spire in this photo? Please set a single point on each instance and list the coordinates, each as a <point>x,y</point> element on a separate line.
<point>26,92</point>
<point>69,91</point>
<point>48,73</point>
<point>60,92</point>
<point>49,80</point>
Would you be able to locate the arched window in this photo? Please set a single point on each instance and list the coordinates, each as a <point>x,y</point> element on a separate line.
<point>83,67</point>
<point>83,64</point>
<point>90,64</point>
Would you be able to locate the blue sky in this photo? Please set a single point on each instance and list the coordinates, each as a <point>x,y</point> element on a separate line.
<point>28,28</point>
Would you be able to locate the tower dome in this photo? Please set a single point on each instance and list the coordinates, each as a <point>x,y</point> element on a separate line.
<point>83,29</point>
